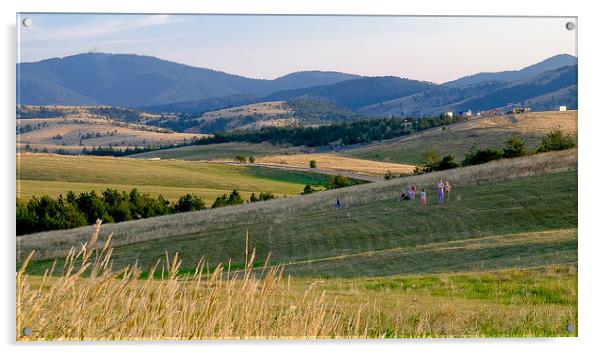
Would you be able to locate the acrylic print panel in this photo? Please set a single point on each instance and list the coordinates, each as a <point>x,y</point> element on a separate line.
<point>255,177</point>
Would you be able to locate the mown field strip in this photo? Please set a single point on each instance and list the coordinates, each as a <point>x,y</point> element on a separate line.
<point>481,243</point>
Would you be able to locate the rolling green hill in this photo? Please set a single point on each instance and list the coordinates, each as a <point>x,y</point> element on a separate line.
<point>40,174</point>
<point>511,213</point>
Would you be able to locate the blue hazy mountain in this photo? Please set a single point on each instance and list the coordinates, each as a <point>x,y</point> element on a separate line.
<point>357,93</point>
<point>543,91</point>
<point>135,80</point>
<point>551,63</point>
<point>157,85</point>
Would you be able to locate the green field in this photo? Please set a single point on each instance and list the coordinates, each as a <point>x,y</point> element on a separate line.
<point>457,139</point>
<point>224,151</point>
<point>525,221</point>
<point>411,239</point>
<point>539,301</point>
<point>498,259</point>
<point>39,174</point>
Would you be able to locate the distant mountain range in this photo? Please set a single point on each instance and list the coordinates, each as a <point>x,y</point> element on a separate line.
<point>551,63</point>
<point>134,80</point>
<point>357,93</point>
<point>548,89</point>
<point>157,85</point>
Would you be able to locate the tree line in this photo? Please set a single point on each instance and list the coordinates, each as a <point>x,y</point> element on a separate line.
<point>346,133</point>
<point>110,151</point>
<point>66,212</point>
<point>74,210</point>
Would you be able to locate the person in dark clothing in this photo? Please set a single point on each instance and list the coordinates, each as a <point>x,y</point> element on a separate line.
<point>337,204</point>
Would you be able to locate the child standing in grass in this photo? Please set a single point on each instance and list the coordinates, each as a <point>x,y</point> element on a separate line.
<point>423,197</point>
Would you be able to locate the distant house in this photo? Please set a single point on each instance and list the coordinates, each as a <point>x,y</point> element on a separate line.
<point>562,108</point>
<point>154,158</point>
<point>519,110</point>
<point>494,112</point>
<point>466,114</point>
<point>448,114</point>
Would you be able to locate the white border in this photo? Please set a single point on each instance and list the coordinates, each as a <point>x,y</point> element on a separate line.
<point>590,128</point>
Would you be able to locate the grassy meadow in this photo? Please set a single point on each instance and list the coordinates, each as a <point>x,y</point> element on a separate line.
<point>499,259</point>
<point>457,139</point>
<point>500,199</point>
<point>539,301</point>
<point>39,174</point>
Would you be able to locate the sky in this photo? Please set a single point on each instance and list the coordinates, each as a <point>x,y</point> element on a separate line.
<point>436,49</point>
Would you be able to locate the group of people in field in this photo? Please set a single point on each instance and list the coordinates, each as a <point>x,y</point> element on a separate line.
<point>409,193</point>
<point>443,192</point>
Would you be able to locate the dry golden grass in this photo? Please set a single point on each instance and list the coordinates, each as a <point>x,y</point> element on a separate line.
<point>268,114</point>
<point>80,122</point>
<point>89,300</point>
<point>337,163</point>
<point>457,139</point>
<point>262,108</point>
<point>533,122</point>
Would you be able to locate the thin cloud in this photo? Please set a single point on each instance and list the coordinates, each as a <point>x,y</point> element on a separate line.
<point>100,27</point>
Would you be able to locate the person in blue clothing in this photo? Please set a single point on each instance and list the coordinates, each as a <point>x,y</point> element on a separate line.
<point>440,190</point>
<point>337,204</point>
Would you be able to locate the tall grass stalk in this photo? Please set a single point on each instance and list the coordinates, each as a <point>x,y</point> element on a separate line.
<point>91,301</point>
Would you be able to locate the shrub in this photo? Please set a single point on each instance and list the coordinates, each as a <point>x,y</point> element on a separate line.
<point>308,189</point>
<point>93,207</point>
<point>339,181</point>
<point>252,159</point>
<point>477,157</point>
<point>234,198</point>
<point>515,147</point>
<point>388,175</point>
<point>446,163</point>
<point>429,162</point>
<point>557,139</point>
<point>144,206</point>
<point>261,196</point>
<point>240,158</point>
<point>188,202</point>
<point>313,164</point>
<point>117,204</point>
